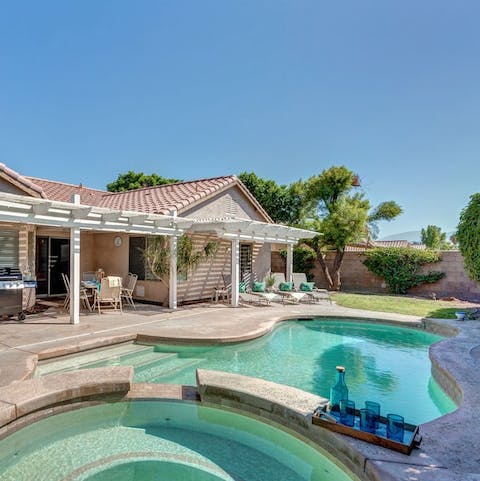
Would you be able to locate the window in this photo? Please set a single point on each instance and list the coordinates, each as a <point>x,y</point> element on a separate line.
<point>246,263</point>
<point>9,250</point>
<point>136,262</point>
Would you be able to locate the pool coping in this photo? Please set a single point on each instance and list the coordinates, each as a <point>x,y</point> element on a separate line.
<point>446,448</point>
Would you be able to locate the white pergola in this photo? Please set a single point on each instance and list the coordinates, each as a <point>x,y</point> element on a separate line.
<point>237,230</point>
<point>77,217</point>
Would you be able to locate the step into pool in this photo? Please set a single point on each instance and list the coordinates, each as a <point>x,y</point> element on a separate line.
<point>384,363</point>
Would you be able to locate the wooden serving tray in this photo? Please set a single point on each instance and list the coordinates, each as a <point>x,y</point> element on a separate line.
<point>412,437</point>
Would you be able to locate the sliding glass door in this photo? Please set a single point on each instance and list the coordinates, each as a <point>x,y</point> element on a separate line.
<point>52,259</point>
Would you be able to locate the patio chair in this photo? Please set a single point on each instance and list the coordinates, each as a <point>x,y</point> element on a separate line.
<point>223,292</point>
<point>84,297</point>
<point>315,294</point>
<point>292,296</point>
<point>109,294</point>
<point>127,291</point>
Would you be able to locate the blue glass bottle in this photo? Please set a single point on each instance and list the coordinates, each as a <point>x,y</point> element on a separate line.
<point>339,390</point>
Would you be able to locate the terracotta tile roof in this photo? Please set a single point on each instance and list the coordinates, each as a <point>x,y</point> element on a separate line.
<point>20,181</point>
<point>160,199</point>
<point>361,247</point>
<point>63,192</point>
<point>392,243</point>
<point>163,198</point>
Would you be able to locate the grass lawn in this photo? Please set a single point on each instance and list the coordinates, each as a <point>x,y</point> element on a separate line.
<point>400,304</point>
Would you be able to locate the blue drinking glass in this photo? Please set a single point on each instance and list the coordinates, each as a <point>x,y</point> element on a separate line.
<point>375,407</point>
<point>367,420</point>
<point>347,412</point>
<point>395,427</point>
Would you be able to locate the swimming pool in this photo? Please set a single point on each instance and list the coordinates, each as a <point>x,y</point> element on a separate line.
<point>384,363</point>
<point>152,440</point>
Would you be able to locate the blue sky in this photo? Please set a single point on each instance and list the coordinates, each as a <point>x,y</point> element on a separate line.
<point>194,89</point>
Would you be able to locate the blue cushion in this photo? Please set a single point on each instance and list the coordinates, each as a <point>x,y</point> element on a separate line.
<point>286,286</point>
<point>258,287</point>
<point>307,286</point>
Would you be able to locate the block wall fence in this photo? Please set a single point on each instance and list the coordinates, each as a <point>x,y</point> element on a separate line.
<point>356,277</point>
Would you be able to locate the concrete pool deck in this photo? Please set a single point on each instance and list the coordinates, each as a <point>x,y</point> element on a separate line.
<point>449,448</point>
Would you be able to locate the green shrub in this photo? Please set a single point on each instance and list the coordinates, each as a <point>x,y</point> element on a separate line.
<point>400,266</point>
<point>303,258</point>
<point>468,237</point>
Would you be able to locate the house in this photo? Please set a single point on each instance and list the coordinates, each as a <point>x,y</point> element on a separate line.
<point>40,220</point>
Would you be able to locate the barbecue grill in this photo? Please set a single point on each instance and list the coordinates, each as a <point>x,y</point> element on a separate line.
<point>11,293</point>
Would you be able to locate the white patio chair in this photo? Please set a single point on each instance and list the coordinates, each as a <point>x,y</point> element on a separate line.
<point>83,294</point>
<point>223,292</point>
<point>109,294</point>
<point>129,288</point>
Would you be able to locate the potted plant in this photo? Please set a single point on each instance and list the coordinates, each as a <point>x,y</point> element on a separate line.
<point>270,282</point>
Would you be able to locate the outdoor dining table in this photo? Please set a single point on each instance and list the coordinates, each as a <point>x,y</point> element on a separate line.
<point>92,285</point>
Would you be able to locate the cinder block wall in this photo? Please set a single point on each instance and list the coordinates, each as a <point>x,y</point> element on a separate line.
<point>356,277</point>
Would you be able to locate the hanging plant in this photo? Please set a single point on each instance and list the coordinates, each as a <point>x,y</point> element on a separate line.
<point>157,256</point>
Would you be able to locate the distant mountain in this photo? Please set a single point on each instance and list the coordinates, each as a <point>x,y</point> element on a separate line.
<point>411,236</point>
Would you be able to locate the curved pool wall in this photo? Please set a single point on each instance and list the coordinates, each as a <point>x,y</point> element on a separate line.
<point>445,454</point>
<point>385,363</point>
<point>142,440</point>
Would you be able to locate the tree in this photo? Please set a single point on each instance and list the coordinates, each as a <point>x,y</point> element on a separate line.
<point>304,258</point>
<point>468,236</point>
<point>136,180</point>
<point>343,217</point>
<point>434,238</point>
<point>285,204</point>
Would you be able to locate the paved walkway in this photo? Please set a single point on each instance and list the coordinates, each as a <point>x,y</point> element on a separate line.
<point>449,450</point>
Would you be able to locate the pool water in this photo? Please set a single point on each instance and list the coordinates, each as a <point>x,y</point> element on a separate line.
<point>387,364</point>
<point>153,440</point>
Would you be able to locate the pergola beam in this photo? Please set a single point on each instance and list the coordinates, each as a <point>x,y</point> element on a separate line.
<point>253,231</point>
<point>41,209</point>
<point>29,210</point>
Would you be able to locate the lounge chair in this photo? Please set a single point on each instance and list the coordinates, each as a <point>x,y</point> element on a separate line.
<point>291,296</point>
<point>315,294</point>
<point>256,298</point>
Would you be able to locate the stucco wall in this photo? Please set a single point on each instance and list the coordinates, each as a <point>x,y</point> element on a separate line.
<point>98,250</point>
<point>23,259</point>
<point>10,188</point>
<point>208,275</point>
<point>230,203</point>
<point>200,284</point>
<point>356,277</point>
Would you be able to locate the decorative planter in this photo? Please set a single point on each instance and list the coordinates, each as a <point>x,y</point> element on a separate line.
<point>460,315</point>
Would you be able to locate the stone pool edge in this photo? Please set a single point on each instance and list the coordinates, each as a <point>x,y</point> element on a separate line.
<point>453,366</point>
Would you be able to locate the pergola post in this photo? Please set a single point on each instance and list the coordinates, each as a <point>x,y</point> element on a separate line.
<point>235,271</point>
<point>75,270</point>
<point>172,291</point>
<point>288,274</point>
